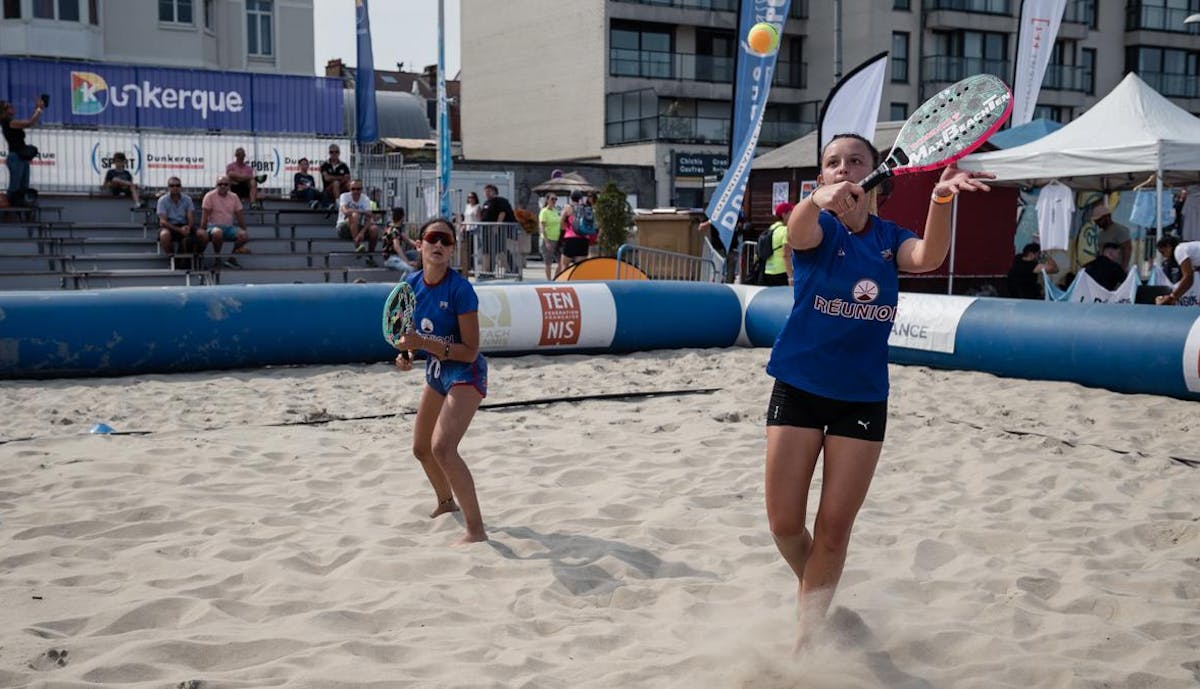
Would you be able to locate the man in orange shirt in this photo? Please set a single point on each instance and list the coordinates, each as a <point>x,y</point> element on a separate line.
<point>221,215</point>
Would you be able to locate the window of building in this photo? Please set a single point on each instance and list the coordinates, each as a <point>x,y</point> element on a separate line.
<point>208,14</point>
<point>640,51</point>
<point>175,11</point>
<point>897,112</point>
<point>900,56</point>
<point>714,57</point>
<point>68,10</point>
<point>62,10</point>
<point>1159,15</point>
<point>790,69</point>
<point>1087,67</point>
<point>956,55</point>
<point>258,28</point>
<point>94,12</point>
<point>12,9</point>
<point>1058,113</point>
<point>1170,71</point>
<point>1081,12</point>
<point>901,5</point>
<point>630,116</point>
<point>976,6</point>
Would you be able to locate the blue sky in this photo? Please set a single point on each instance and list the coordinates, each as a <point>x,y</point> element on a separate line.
<point>401,31</point>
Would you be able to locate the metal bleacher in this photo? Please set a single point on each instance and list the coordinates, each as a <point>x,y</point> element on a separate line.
<point>76,242</point>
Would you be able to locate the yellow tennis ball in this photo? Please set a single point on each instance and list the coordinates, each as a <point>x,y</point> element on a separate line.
<point>763,38</point>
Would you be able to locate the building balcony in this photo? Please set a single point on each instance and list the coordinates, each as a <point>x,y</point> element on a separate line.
<point>1069,78</point>
<point>651,64</point>
<point>1173,85</point>
<point>1001,7</point>
<point>798,9</point>
<point>698,130</point>
<point>1139,17</point>
<point>949,69</point>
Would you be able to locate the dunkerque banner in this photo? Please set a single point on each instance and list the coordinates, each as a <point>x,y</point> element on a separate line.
<point>751,90</point>
<point>97,94</point>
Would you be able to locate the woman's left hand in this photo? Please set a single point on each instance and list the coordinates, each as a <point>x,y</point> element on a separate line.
<point>955,179</point>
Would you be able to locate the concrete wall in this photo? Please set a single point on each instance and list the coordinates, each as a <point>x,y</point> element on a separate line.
<point>532,79</point>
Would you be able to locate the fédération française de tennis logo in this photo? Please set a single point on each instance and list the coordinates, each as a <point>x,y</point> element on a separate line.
<point>89,93</point>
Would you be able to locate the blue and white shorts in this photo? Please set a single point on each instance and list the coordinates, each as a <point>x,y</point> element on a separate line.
<point>443,375</point>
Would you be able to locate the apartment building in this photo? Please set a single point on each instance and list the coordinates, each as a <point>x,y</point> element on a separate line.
<point>273,36</point>
<point>649,82</point>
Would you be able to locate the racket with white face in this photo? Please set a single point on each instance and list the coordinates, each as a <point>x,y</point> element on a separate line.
<point>398,314</point>
<point>948,126</point>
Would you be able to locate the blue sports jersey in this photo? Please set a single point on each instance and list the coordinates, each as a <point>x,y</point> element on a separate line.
<point>834,343</point>
<point>439,306</point>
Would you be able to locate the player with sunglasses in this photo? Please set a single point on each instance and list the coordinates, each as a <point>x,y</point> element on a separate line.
<point>446,324</point>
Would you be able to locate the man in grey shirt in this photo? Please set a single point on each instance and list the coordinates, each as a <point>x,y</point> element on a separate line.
<point>177,230</point>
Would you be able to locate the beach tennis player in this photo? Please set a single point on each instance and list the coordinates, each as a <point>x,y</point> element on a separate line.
<point>830,359</point>
<point>446,329</point>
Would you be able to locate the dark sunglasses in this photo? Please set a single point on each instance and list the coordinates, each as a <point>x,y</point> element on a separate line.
<point>222,184</point>
<point>355,188</point>
<point>438,238</point>
<point>174,185</point>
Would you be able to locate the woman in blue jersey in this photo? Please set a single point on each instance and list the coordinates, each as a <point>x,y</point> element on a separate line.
<point>830,360</point>
<point>446,323</point>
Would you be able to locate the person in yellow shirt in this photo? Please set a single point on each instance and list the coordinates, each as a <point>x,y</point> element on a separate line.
<point>778,271</point>
<point>550,224</point>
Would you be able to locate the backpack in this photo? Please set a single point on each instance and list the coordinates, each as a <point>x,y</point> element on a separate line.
<point>762,253</point>
<point>583,221</point>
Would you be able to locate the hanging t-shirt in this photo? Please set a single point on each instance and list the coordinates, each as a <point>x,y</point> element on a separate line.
<point>834,343</point>
<point>1144,208</point>
<point>1055,209</point>
<point>1191,215</point>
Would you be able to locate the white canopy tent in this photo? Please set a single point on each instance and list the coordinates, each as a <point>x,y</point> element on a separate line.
<point>1118,143</point>
<point>1130,134</point>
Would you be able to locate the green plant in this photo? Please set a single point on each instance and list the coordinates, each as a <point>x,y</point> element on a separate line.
<point>613,217</point>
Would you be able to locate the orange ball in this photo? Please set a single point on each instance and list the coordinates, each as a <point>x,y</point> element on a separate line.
<point>763,38</point>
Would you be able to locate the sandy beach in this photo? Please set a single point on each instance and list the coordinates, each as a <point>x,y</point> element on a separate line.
<point>1017,534</point>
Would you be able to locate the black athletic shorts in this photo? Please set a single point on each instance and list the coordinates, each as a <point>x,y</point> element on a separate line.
<point>790,406</point>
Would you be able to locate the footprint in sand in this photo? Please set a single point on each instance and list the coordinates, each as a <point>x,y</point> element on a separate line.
<point>51,659</point>
<point>190,684</point>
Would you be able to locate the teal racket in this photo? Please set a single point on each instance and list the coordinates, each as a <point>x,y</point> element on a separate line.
<point>948,126</point>
<point>398,314</point>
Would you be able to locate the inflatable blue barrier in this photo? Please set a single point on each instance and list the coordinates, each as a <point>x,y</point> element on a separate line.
<point>1127,348</point>
<point>1133,348</point>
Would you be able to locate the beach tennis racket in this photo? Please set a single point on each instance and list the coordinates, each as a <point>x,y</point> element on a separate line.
<point>946,127</point>
<point>398,314</point>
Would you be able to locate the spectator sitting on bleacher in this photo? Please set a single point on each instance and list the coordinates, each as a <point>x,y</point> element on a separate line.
<point>304,187</point>
<point>242,180</point>
<point>356,222</point>
<point>400,251</point>
<point>119,181</point>
<point>221,215</point>
<point>335,176</point>
<point>177,230</point>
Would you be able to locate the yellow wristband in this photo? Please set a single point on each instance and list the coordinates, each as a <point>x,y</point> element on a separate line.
<point>941,200</point>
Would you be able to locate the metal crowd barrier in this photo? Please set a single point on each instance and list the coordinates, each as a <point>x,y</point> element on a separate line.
<point>747,255</point>
<point>495,250</point>
<point>659,264</point>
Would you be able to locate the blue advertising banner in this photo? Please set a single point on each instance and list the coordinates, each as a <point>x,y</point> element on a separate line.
<point>443,119</point>
<point>94,94</point>
<point>751,88</point>
<point>367,124</point>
